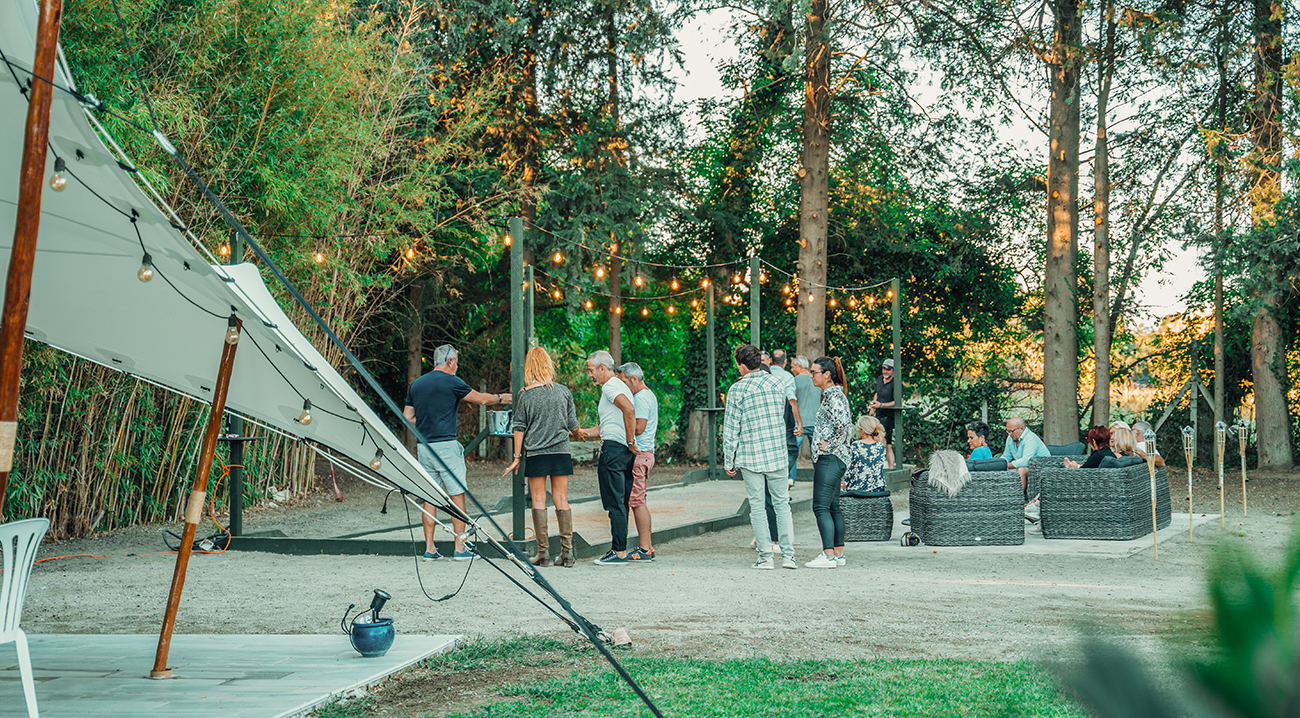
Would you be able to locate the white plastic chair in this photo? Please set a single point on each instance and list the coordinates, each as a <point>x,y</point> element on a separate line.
<point>18,543</point>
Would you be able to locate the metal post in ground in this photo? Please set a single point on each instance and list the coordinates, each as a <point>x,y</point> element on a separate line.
<point>755,322</point>
<point>713,384</point>
<point>518,349</point>
<point>235,435</point>
<point>898,375</point>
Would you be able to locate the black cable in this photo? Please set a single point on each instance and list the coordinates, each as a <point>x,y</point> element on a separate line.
<point>415,553</point>
<point>135,65</point>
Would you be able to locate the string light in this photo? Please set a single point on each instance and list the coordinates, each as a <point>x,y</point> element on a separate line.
<point>587,304</point>
<point>377,463</point>
<point>762,277</point>
<point>889,294</point>
<point>737,279</point>
<point>410,252</point>
<point>305,417</point>
<point>645,312</point>
<point>600,272</point>
<point>557,295</point>
<point>507,239</point>
<point>672,309</point>
<point>675,285</point>
<point>695,302</point>
<point>811,299</point>
<point>59,180</point>
<point>638,280</point>
<point>232,330</point>
<point>704,284</point>
<point>224,250</point>
<point>146,269</point>
<point>618,309</point>
<point>558,257</point>
<point>319,257</point>
<point>852,302</point>
<point>832,301</point>
<point>786,289</point>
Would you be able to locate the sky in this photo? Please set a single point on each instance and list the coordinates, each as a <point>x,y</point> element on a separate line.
<point>705,44</point>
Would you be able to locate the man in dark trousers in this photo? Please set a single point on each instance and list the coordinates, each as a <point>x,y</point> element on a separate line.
<point>882,407</point>
<point>431,404</point>
<point>617,433</point>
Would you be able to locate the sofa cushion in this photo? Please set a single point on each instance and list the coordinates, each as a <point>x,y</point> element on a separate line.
<point>986,465</point>
<point>1123,462</point>
<point>1068,449</point>
<point>864,494</point>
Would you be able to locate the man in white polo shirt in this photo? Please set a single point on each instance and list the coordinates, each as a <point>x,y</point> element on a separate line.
<point>617,433</point>
<point>646,407</point>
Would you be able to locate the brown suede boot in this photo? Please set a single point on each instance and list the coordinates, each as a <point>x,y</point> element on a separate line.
<point>565,518</point>
<point>543,540</point>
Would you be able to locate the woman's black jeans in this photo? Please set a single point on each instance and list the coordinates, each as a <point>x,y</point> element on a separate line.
<point>828,473</point>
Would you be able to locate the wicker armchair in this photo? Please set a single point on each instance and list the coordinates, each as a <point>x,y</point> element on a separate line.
<point>1105,504</point>
<point>1038,464</point>
<point>987,511</point>
<point>867,517</point>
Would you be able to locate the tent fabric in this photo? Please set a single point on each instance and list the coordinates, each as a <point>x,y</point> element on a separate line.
<point>86,299</point>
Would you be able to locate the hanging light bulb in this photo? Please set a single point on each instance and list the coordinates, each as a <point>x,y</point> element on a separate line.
<point>737,279</point>
<point>410,252</point>
<point>853,302</point>
<point>810,298</point>
<point>600,272</point>
<point>587,304</point>
<point>232,330</point>
<point>507,240</point>
<point>377,463</point>
<point>786,289</point>
<point>558,257</point>
<point>557,295</point>
<point>319,257</point>
<point>672,309</point>
<point>832,301</point>
<point>638,280</point>
<point>146,268</point>
<point>762,277</point>
<point>695,302</point>
<point>59,180</point>
<point>305,417</point>
<point>675,285</point>
<point>704,284</point>
<point>787,302</point>
<point>889,294</point>
<point>224,250</point>
<point>645,312</point>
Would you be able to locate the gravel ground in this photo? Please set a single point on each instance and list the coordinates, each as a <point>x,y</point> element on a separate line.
<point>700,598</point>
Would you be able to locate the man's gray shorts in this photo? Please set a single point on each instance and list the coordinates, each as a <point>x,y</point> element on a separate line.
<point>452,478</point>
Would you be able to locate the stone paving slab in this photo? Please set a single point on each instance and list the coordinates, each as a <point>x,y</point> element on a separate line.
<point>217,676</point>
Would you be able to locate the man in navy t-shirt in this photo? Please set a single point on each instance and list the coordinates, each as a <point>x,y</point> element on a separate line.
<point>432,403</point>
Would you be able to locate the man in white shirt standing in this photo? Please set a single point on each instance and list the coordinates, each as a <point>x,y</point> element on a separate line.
<point>617,433</point>
<point>646,407</point>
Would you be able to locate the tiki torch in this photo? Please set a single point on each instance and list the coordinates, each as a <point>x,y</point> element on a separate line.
<point>1220,440</point>
<point>1151,469</point>
<point>1189,450</point>
<point>1242,428</point>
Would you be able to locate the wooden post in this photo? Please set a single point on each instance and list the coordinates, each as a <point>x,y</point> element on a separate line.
<point>755,320</point>
<point>31,184</point>
<point>198,498</point>
<point>898,374</point>
<point>518,351</point>
<point>1151,468</point>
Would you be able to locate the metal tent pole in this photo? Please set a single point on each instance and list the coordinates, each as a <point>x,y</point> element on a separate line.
<point>198,497</point>
<point>31,184</point>
<point>235,484</point>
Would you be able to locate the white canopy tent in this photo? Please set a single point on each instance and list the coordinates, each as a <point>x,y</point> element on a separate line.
<point>87,300</point>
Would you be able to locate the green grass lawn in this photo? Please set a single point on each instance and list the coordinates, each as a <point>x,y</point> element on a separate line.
<point>726,688</point>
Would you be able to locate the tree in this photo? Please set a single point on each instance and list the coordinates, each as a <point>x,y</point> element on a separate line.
<point>814,184</point>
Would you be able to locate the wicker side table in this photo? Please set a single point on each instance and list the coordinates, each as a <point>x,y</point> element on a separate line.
<point>867,518</point>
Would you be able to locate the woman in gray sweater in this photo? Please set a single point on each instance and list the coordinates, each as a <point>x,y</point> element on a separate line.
<point>544,415</point>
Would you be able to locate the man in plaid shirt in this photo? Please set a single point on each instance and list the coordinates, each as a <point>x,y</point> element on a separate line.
<point>753,443</point>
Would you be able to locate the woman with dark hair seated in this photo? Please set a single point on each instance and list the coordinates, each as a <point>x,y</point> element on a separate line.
<point>977,436</point>
<point>1099,440</point>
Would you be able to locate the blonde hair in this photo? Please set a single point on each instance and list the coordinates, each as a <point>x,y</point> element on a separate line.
<point>1122,442</point>
<point>538,367</point>
<point>871,426</point>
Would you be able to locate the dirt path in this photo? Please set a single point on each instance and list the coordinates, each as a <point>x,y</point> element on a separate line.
<point>699,599</point>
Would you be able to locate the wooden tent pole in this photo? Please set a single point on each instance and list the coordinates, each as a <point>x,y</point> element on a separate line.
<point>198,497</point>
<point>31,183</point>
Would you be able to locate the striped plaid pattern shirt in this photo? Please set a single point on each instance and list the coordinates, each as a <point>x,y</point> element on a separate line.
<point>753,429</point>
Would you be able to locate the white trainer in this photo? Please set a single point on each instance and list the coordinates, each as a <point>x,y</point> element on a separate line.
<point>822,561</point>
<point>764,564</point>
<point>788,562</point>
<point>840,561</point>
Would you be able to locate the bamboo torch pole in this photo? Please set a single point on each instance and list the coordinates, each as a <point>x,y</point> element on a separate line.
<point>1151,469</point>
<point>1189,450</point>
<point>1220,442</point>
<point>31,183</point>
<point>1242,428</point>
<point>198,497</point>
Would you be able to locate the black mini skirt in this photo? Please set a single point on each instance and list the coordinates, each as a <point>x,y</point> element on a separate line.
<point>548,465</point>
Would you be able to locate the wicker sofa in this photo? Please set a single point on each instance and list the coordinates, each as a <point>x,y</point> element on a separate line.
<point>1105,504</point>
<point>987,511</point>
<point>1038,464</point>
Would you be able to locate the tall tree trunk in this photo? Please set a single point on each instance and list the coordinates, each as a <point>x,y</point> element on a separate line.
<point>532,119</point>
<point>1267,353</point>
<point>414,345</point>
<point>814,187</point>
<point>615,264</point>
<point>1101,232</point>
<point>1060,327</point>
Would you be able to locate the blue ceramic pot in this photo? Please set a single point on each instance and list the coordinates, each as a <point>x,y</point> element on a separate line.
<point>373,639</point>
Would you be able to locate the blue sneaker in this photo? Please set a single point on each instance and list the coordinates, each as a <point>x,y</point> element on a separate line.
<point>611,559</point>
<point>432,555</point>
<point>466,555</point>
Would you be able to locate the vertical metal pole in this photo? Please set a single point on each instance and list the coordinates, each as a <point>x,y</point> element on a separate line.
<point>1193,394</point>
<point>235,484</point>
<point>530,312</point>
<point>713,384</point>
<point>755,322</point>
<point>898,376</point>
<point>518,350</point>
<point>482,422</point>
<point>194,507</point>
<point>31,184</point>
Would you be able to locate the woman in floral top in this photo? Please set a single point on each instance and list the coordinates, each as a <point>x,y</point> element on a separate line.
<point>866,470</point>
<point>830,455</point>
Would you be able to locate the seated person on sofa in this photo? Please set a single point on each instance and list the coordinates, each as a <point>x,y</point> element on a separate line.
<point>977,436</point>
<point>1144,436</point>
<point>1099,442</point>
<point>866,471</point>
<point>1022,445</point>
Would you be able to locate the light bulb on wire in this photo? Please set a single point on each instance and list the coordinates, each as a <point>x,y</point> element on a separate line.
<point>638,281</point>
<point>645,312</point>
<point>852,302</point>
<point>811,298</point>
<point>704,284</point>
<point>224,250</point>
<point>59,180</point>
<point>831,301</point>
<point>672,309</point>
<point>786,289</point>
<point>557,295</point>
<point>319,257</point>
<point>410,252</point>
<point>305,417</point>
<point>600,272</point>
<point>618,309</point>
<point>232,330</point>
<point>675,285</point>
<point>377,463</point>
<point>587,304</point>
<point>558,257</point>
<point>146,269</point>
<point>695,302</point>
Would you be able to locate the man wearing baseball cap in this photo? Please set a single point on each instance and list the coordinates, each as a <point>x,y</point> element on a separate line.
<point>882,406</point>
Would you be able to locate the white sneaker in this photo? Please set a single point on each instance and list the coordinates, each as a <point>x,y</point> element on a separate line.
<point>1032,510</point>
<point>764,564</point>
<point>788,562</point>
<point>822,561</point>
<point>840,561</point>
<point>776,549</point>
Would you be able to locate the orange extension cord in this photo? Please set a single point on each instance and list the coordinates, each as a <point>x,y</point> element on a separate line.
<point>212,514</point>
